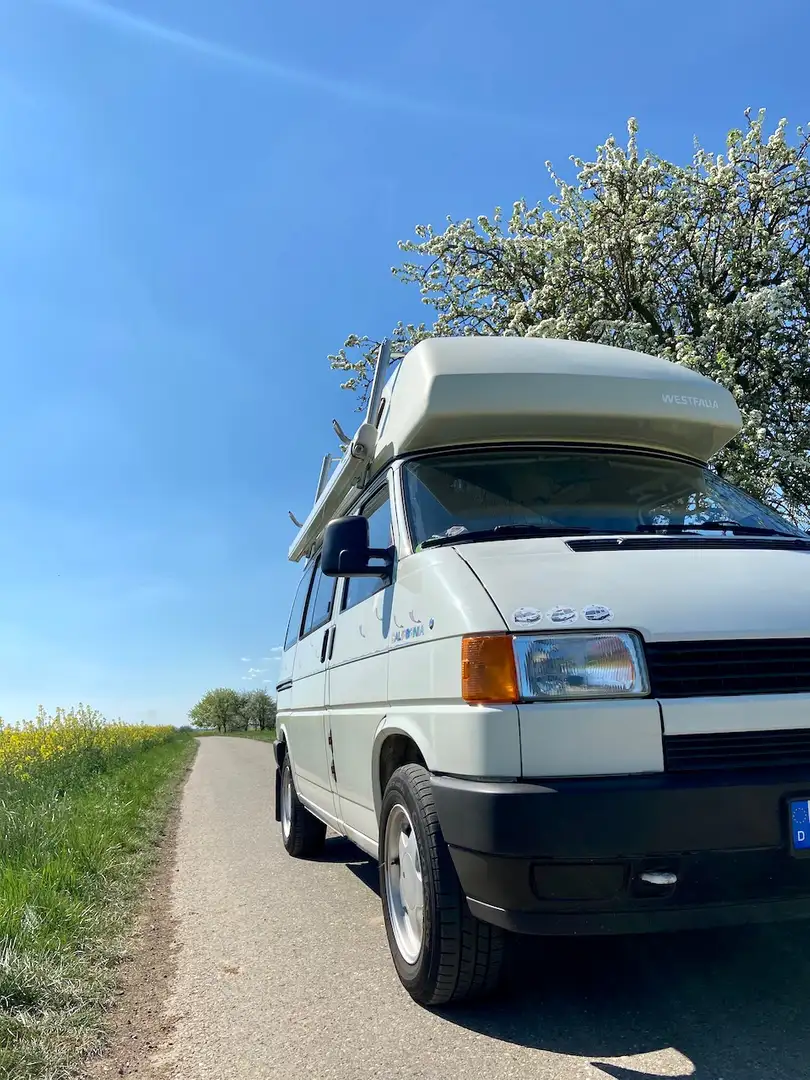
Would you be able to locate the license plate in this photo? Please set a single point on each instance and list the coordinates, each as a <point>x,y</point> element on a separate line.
<point>799,810</point>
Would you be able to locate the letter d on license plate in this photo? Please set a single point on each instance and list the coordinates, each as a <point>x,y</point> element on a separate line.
<point>800,824</point>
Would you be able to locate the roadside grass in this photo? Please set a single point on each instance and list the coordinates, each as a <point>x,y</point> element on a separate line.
<point>75,844</point>
<point>263,736</point>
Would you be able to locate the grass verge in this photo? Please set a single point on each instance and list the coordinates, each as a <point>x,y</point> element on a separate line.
<point>71,864</point>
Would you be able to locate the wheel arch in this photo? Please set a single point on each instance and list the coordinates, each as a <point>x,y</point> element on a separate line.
<point>281,746</point>
<point>399,740</point>
<point>280,750</point>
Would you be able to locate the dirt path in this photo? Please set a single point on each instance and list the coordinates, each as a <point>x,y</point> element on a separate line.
<point>282,970</point>
<point>140,1024</point>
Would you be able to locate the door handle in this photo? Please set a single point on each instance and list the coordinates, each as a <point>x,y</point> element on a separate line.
<point>331,642</point>
<point>324,644</point>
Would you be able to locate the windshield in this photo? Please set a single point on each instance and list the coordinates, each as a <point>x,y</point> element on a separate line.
<point>585,490</point>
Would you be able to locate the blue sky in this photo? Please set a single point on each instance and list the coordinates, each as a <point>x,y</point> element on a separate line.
<point>199,201</point>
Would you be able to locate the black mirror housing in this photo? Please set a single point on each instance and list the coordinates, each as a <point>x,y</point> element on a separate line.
<point>345,551</point>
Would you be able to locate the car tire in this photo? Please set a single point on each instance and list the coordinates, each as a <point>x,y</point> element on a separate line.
<point>448,955</point>
<point>302,833</point>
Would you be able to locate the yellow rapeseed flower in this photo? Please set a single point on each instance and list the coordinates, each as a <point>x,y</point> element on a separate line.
<point>49,744</point>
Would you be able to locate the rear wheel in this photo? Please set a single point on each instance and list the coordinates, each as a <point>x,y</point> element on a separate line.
<point>303,834</point>
<point>441,952</point>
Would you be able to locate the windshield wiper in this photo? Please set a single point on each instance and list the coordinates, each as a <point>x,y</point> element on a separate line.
<point>714,526</point>
<point>509,532</point>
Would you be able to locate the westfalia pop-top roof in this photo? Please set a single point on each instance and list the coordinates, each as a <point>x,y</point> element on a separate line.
<point>478,390</point>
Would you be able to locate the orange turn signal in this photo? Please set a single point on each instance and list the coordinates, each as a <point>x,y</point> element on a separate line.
<point>488,671</point>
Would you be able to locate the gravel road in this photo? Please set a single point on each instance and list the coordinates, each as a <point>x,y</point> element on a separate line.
<point>283,971</point>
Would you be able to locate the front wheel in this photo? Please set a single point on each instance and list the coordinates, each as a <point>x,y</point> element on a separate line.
<point>441,952</point>
<point>302,833</point>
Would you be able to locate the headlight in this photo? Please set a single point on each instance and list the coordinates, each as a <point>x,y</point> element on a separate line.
<point>560,667</point>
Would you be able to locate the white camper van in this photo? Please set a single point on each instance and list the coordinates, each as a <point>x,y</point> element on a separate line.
<point>544,664</point>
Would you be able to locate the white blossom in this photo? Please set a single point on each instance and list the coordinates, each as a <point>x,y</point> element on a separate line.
<point>706,264</point>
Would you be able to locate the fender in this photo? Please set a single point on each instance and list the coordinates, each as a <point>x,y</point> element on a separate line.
<point>278,742</point>
<point>281,737</point>
<point>396,724</point>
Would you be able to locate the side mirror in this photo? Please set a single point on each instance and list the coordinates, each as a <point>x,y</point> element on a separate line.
<point>346,553</point>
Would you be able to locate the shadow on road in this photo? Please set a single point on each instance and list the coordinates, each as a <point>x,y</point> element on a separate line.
<point>735,1003</point>
<point>340,850</point>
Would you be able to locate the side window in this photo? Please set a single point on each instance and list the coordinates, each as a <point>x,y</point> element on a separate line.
<point>294,625</point>
<point>320,602</point>
<point>380,535</point>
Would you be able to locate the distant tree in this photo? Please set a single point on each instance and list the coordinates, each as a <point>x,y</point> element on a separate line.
<point>707,264</point>
<point>217,709</point>
<point>239,722</point>
<point>258,709</point>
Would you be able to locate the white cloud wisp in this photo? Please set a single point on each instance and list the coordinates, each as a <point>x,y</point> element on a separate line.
<point>118,19</point>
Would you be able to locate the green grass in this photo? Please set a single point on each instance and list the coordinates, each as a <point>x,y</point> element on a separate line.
<point>71,864</point>
<point>262,736</point>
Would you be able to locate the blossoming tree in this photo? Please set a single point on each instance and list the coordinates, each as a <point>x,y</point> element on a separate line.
<point>707,264</point>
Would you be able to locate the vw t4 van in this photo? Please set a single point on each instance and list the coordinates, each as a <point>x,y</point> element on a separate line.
<point>544,663</point>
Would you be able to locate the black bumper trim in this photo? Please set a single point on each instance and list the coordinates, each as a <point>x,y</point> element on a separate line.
<point>700,917</point>
<point>574,856</point>
<point>614,817</point>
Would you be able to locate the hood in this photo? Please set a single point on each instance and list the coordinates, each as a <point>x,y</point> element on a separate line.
<point>664,593</point>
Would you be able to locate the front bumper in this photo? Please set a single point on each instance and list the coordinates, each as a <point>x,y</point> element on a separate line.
<point>567,856</point>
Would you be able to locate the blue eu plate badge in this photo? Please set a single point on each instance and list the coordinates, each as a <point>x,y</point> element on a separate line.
<point>800,824</point>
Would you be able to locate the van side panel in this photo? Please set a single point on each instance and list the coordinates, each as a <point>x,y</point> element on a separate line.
<point>358,676</point>
<point>396,667</point>
<point>305,724</point>
<point>358,700</point>
<point>460,739</point>
<point>437,600</point>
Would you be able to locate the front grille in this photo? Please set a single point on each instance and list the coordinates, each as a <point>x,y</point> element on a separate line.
<point>736,750</point>
<point>681,669</point>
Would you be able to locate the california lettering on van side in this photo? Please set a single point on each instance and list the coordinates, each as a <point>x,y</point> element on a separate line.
<point>682,399</point>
